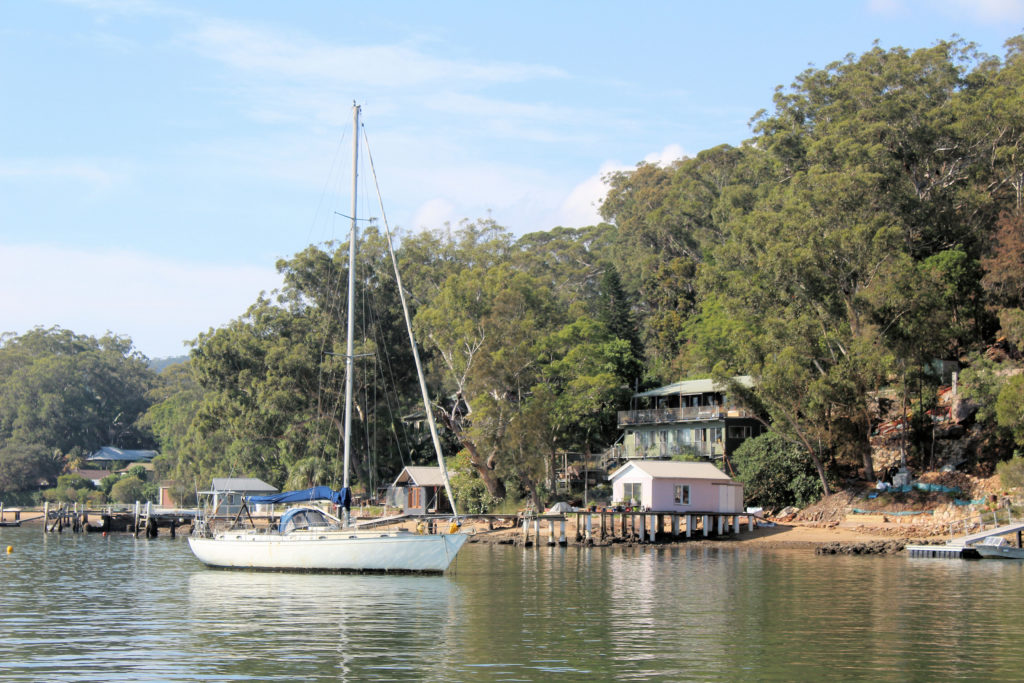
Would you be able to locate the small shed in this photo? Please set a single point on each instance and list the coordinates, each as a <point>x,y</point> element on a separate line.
<point>418,491</point>
<point>227,493</point>
<point>674,486</point>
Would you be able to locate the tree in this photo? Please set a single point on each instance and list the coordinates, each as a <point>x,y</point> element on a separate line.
<point>774,472</point>
<point>128,490</point>
<point>63,393</point>
<point>1010,407</point>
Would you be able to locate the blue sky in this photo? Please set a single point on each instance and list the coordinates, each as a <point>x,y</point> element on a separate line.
<point>156,158</point>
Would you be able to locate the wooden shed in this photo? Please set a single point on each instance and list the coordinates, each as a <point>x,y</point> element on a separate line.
<point>227,493</point>
<point>673,486</point>
<point>418,491</point>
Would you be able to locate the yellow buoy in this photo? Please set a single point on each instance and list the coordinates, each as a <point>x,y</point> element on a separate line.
<point>10,549</point>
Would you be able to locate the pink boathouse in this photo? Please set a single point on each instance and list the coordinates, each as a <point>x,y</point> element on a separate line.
<point>674,486</point>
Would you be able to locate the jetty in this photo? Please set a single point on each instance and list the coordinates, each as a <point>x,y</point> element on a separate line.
<point>143,519</point>
<point>969,531</point>
<point>633,525</point>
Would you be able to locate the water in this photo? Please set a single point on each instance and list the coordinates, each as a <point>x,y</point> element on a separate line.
<point>87,608</point>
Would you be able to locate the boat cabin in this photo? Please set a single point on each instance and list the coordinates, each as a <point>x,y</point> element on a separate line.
<point>419,491</point>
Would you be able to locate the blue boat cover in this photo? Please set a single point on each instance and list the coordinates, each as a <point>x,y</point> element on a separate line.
<point>342,498</point>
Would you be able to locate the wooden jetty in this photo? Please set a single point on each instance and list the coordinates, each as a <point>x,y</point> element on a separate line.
<point>142,519</point>
<point>638,526</point>
<point>972,530</point>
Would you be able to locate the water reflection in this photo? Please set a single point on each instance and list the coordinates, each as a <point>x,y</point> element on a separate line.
<point>91,608</point>
<point>314,625</point>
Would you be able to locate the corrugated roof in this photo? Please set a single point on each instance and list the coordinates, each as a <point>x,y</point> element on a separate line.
<point>693,386</point>
<point>421,476</point>
<point>675,469</point>
<point>239,484</point>
<point>110,453</point>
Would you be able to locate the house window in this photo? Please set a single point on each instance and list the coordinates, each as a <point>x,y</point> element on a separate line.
<point>739,432</point>
<point>632,491</point>
<point>682,494</point>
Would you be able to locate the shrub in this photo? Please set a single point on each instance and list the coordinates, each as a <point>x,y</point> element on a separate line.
<point>1011,472</point>
<point>128,490</point>
<point>775,473</point>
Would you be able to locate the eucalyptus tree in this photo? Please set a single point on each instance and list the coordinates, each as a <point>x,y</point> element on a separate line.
<point>63,395</point>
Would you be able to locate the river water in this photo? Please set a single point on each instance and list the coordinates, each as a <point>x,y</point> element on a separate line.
<point>88,608</point>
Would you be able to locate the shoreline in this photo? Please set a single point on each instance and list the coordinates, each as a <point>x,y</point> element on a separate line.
<point>790,535</point>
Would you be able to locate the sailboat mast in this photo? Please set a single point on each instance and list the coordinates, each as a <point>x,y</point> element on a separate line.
<point>351,298</point>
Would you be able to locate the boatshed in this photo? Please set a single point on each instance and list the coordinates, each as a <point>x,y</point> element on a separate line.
<point>228,492</point>
<point>418,491</point>
<point>674,486</point>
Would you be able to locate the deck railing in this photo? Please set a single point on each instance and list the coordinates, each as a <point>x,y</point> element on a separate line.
<point>669,415</point>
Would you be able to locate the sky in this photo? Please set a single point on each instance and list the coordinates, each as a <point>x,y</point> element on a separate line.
<point>158,157</point>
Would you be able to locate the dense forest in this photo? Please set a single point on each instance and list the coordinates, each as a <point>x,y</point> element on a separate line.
<point>872,224</point>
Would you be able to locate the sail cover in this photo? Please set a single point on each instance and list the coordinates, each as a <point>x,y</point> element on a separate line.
<point>342,498</point>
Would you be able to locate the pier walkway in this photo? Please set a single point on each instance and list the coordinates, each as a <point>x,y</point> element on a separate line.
<point>960,546</point>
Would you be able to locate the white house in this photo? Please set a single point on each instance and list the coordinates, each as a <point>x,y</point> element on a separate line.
<point>673,486</point>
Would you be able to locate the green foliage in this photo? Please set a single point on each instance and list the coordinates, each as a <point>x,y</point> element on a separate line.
<point>63,394</point>
<point>471,495</point>
<point>775,473</point>
<point>129,490</point>
<point>1010,407</point>
<point>1011,472</point>
<point>138,471</point>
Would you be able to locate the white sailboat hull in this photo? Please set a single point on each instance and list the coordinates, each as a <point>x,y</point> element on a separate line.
<point>340,551</point>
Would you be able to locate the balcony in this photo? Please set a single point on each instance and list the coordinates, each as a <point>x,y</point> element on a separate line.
<point>674,415</point>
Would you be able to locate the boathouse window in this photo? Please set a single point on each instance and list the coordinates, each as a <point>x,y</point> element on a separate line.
<point>739,432</point>
<point>632,491</point>
<point>682,494</point>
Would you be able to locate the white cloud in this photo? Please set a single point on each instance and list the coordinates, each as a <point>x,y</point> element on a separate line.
<point>580,207</point>
<point>301,57</point>
<point>156,302</point>
<point>995,12</point>
<point>98,175</point>
<point>435,213</point>
<point>990,11</point>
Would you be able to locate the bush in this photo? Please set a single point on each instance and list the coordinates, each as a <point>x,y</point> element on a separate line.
<point>1011,472</point>
<point>775,473</point>
<point>128,490</point>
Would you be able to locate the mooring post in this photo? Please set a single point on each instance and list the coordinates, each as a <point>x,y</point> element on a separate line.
<point>561,532</point>
<point>135,526</point>
<point>603,528</point>
<point>536,529</point>
<point>590,527</point>
<point>526,530</point>
<point>623,520</point>
<point>750,522</point>
<point>551,532</point>
<point>46,516</point>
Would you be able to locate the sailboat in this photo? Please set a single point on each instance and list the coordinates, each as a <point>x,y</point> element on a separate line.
<point>309,539</point>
